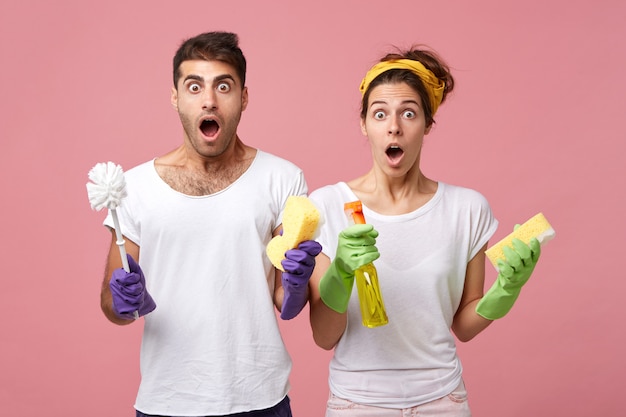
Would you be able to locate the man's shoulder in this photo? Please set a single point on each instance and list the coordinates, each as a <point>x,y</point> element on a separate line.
<point>142,167</point>
<point>139,172</point>
<point>275,160</point>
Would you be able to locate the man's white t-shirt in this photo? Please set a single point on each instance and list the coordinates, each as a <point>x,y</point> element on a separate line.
<point>212,346</point>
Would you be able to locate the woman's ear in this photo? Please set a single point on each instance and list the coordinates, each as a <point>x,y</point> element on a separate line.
<point>363,127</point>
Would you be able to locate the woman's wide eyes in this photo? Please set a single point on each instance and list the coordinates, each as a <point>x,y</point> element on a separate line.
<point>408,114</point>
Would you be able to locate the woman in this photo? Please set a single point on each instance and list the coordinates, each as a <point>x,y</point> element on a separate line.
<point>428,239</point>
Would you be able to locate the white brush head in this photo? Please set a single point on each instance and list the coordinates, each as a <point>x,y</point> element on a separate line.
<point>108,186</point>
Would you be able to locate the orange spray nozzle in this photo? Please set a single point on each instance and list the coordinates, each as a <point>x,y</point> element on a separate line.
<point>354,210</point>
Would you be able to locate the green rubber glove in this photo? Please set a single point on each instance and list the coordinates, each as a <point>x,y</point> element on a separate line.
<point>519,266</point>
<point>355,248</point>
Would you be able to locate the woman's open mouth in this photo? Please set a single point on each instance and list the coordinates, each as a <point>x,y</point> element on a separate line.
<point>394,153</point>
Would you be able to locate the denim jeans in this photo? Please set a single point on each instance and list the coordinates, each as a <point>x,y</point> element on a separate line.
<point>282,409</point>
<point>452,405</point>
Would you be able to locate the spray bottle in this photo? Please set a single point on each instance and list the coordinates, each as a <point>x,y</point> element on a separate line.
<point>373,311</point>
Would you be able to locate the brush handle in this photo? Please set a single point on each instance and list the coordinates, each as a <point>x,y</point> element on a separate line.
<point>120,244</point>
<point>120,240</point>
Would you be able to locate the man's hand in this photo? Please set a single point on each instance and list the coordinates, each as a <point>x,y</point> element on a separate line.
<point>298,265</point>
<point>131,299</point>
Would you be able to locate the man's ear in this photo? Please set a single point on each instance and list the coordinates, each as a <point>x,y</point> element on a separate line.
<point>244,98</point>
<point>174,98</point>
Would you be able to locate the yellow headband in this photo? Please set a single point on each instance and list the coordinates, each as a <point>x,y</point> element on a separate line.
<point>433,84</point>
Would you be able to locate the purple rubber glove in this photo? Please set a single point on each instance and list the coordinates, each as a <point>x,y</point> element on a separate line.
<point>298,265</point>
<point>129,292</point>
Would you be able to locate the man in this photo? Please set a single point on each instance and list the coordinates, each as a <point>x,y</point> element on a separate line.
<point>197,220</point>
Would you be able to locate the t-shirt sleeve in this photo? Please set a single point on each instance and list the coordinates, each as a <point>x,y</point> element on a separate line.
<point>484,224</point>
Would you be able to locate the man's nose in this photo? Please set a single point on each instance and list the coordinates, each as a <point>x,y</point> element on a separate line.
<point>209,99</point>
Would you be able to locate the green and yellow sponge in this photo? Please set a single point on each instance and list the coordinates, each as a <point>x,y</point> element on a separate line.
<point>537,227</point>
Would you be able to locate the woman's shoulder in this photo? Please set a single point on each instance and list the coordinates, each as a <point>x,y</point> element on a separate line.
<point>463,194</point>
<point>337,191</point>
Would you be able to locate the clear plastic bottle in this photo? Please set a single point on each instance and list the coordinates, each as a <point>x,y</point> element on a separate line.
<point>373,312</point>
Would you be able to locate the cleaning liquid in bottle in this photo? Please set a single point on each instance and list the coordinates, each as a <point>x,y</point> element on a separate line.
<point>373,311</point>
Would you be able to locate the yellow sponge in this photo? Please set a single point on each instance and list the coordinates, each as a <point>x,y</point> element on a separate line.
<point>537,227</point>
<point>300,220</point>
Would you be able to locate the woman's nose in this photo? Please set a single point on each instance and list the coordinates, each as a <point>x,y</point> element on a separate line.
<point>394,127</point>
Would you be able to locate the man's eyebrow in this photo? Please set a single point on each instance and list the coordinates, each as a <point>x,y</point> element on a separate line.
<point>217,79</point>
<point>223,77</point>
<point>194,77</point>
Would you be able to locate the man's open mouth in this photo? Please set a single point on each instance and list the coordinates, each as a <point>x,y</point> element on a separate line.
<point>209,127</point>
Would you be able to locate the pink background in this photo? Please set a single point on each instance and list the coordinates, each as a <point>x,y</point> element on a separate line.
<point>535,124</point>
